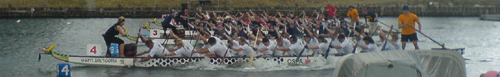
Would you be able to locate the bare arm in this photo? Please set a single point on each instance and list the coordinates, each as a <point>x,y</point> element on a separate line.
<point>169,54</point>
<point>228,38</point>
<point>201,51</point>
<point>142,53</point>
<point>419,26</point>
<point>144,59</point>
<point>362,46</point>
<point>173,35</point>
<point>143,39</point>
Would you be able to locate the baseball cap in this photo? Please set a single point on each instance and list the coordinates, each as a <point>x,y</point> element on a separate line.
<point>406,7</point>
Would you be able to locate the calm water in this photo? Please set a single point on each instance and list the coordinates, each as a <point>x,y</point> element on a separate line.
<point>20,41</point>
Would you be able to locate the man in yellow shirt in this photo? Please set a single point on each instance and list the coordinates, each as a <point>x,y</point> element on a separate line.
<point>407,23</point>
<point>353,14</point>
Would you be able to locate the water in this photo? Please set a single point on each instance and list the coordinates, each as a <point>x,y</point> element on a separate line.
<point>20,41</point>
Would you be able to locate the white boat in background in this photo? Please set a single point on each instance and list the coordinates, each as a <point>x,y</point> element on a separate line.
<point>417,63</point>
<point>490,17</point>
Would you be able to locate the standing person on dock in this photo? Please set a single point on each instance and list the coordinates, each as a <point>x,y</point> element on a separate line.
<point>372,19</point>
<point>407,23</point>
<point>330,9</point>
<point>169,22</point>
<point>353,14</point>
<point>110,35</point>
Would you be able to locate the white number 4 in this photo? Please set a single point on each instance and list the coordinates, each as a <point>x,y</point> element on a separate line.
<point>65,69</point>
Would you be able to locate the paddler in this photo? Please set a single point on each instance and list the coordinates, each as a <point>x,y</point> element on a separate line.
<point>183,48</point>
<point>213,47</point>
<point>293,49</point>
<point>110,35</point>
<point>155,49</point>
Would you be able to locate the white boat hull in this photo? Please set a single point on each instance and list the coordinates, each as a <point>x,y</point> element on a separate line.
<point>178,61</point>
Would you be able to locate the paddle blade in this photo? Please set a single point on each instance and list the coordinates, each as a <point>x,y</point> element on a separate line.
<point>39,57</point>
<point>154,20</point>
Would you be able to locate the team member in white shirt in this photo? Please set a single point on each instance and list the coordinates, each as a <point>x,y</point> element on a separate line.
<point>264,48</point>
<point>183,49</point>
<point>323,45</point>
<point>312,45</point>
<point>371,46</point>
<point>214,48</point>
<point>282,43</point>
<point>345,47</point>
<point>235,47</point>
<point>295,47</point>
<point>155,49</point>
<point>247,50</point>
<point>392,44</point>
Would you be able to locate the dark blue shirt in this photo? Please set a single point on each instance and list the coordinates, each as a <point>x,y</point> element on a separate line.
<point>370,16</point>
<point>112,31</point>
<point>167,20</point>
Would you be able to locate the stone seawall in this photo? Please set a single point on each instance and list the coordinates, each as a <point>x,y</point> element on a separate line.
<point>149,12</point>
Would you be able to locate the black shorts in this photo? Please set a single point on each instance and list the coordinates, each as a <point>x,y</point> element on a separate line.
<point>111,39</point>
<point>411,37</point>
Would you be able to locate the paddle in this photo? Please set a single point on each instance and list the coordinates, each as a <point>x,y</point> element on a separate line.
<point>227,50</point>
<point>137,40</point>
<point>300,54</point>
<point>252,55</point>
<point>385,44</point>
<point>224,56</point>
<point>330,45</point>
<point>442,45</point>
<point>387,25</point>
<point>354,50</point>
<point>195,44</point>
<point>165,42</point>
<point>39,57</point>
<point>279,37</point>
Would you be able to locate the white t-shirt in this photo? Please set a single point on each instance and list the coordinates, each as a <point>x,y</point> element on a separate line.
<point>286,44</point>
<point>312,43</point>
<point>324,47</point>
<point>236,45</point>
<point>388,45</point>
<point>157,49</point>
<point>269,47</point>
<point>296,48</point>
<point>186,50</point>
<point>218,48</point>
<point>373,48</point>
<point>398,47</point>
<point>347,46</point>
<point>247,50</point>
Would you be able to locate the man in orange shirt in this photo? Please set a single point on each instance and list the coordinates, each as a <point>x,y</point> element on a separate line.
<point>353,14</point>
<point>407,23</point>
